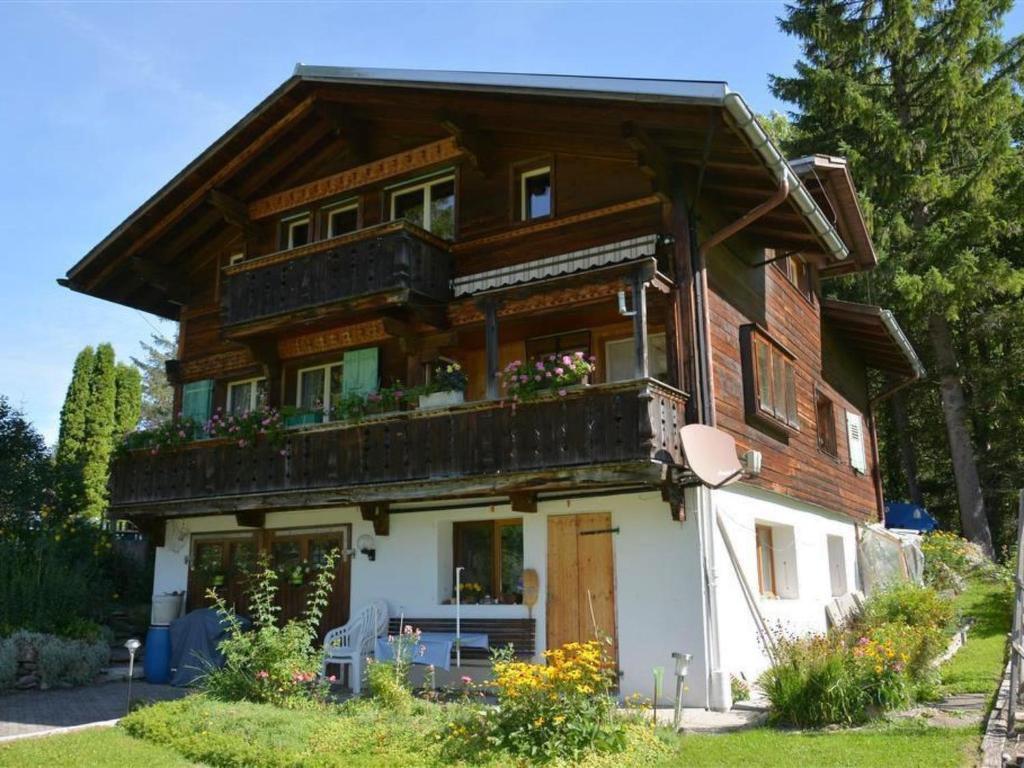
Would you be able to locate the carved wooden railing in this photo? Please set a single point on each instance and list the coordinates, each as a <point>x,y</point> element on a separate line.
<point>391,257</point>
<point>634,422</point>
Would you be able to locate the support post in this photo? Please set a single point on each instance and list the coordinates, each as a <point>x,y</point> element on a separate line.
<point>490,307</point>
<point>640,326</point>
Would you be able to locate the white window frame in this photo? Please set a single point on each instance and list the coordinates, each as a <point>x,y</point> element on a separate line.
<point>290,222</point>
<point>325,371</point>
<point>425,185</point>
<point>348,205</point>
<point>627,341</point>
<point>253,396</point>
<point>236,258</point>
<point>522,192</point>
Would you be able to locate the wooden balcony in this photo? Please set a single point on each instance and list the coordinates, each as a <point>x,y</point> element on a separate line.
<point>388,265</point>
<point>605,435</point>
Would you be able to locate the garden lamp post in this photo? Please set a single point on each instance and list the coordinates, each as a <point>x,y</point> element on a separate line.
<point>682,669</point>
<point>132,645</point>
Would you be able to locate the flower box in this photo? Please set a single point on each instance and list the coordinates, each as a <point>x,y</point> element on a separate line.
<point>442,399</point>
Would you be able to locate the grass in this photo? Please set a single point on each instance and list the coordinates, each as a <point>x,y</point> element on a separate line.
<point>97,748</point>
<point>978,666</point>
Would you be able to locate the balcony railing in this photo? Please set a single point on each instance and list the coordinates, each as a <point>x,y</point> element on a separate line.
<point>393,257</point>
<point>592,435</point>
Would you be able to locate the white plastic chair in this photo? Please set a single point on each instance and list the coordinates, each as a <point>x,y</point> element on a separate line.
<point>351,644</point>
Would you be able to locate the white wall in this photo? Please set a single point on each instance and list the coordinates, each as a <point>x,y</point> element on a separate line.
<point>656,569</point>
<point>741,507</point>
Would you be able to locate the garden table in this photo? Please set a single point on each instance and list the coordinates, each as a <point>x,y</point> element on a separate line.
<point>434,648</point>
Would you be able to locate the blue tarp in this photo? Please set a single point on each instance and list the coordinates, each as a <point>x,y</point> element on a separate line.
<point>901,514</point>
<point>194,640</point>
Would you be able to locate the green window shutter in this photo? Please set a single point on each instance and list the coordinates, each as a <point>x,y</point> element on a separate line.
<point>197,400</point>
<point>359,375</point>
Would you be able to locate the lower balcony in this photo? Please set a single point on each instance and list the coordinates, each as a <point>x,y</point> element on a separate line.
<point>608,435</point>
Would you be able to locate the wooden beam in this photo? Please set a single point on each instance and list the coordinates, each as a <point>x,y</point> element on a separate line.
<point>490,309</point>
<point>234,211</point>
<point>650,157</point>
<point>251,519</point>
<point>163,279</point>
<point>414,159</point>
<point>352,129</point>
<point>640,325</point>
<point>477,145</point>
<point>523,502</point>
<point>379,514</point>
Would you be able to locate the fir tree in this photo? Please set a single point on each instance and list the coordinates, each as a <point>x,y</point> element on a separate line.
<point>157,393</point>
<point>920,98</point>
<point>26,471</point>
<point>71,438</point>
<point>128,401</point>
<point>99,432</point>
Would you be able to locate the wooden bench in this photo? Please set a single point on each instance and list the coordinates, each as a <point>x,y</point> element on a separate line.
<point>521,633</point>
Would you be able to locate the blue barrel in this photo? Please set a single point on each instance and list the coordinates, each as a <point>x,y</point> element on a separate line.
<point>157,660</point>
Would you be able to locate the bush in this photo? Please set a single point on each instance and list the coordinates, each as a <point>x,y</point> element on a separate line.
<point>278,665</point>
<point>911,605</point>
<point>389,680</point>
<point>559,710</point>
<point>59,661</point>
<point>8,663</point>
<point>946,562</point>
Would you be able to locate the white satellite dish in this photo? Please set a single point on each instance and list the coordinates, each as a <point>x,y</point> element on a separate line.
<point>711,455</point>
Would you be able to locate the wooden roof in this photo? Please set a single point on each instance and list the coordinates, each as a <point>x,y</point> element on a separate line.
<point>874,332</point>
<point>320,117</point>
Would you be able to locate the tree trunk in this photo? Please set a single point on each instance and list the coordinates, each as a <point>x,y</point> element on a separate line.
<point>908,456</point>
<point>961,446</point>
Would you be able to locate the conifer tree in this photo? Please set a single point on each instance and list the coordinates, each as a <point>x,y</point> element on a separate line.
<point>157,393</point>
<point>71,438</point>
<point>920,98</point>
<point>99,432</point>
<point>128,401</point>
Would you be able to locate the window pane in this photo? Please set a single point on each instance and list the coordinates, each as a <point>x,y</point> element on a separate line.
<point>442,209</point>
<point>261,393</point>
<point>240,400</point>
<point>311,390</point>
<point>537,191</point>
<point>336,379</point>
<point>474,546</point>
<point>779,386</point>
<point>764,560</point>
<point>299,234</point>
<point>791,414</point>
<point>764,376</point>
<point>409,206</point>
<point>512,561</point>
<point>342,222</point>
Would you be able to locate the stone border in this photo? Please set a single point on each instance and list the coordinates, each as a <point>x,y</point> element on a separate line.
<point>994,740</point>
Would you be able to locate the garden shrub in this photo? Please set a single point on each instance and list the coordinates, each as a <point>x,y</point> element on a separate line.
<point>8,663</point>
<point>911,605</point>
<point>559,710</point>
<point>389,680</point>
<point>59,661</point>
<point>280,665</point>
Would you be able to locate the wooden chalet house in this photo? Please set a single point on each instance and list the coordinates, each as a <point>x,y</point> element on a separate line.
<point>360,227</point>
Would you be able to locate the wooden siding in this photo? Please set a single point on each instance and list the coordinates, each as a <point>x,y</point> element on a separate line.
<point>793,465</point>
<point>633,422</point>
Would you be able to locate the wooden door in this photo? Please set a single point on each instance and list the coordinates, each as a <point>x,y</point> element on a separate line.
<point>581,580</point>
<point>223,565</point>
<point>295,555</point>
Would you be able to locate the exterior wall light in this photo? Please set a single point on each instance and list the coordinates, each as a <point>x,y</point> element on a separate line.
<point>367,546</point>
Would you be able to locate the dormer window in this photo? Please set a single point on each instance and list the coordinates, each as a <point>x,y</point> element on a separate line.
<point>429,204</point>
<point>535,193</point>
<point>295,231</point>
<point>342,219</point>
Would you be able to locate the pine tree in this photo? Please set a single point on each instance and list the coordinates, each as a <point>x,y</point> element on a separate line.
<point>69,458</point>
<point>26,472</point>
<point>128,401</point>
<point>99,432</point>
<point>920,98</point>
<point>157,393</point>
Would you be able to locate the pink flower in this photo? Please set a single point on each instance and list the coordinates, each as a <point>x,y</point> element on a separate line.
<point>578,355</point>
<point>466,679</point>
<point>263,674</point>
<point>561,393</point>
<point>524,378</point>
<point>332,679</point>
<point>539,365</point>
<point>559,371</point>
<point>548,374</point>
<point>566,360</point>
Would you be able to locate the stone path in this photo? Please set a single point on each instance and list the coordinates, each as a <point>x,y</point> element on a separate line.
<point>24,713</point>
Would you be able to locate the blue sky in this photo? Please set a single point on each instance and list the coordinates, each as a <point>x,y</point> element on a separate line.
<point>100,104</point>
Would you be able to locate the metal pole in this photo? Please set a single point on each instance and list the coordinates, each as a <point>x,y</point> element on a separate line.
<point>458,617</point>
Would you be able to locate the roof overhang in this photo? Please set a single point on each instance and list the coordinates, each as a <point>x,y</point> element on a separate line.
<point>874,332</point>
<point>828,179</point>
<point>751,167</point>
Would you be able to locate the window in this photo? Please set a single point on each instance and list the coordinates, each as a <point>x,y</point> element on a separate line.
<point>236,258</point>
<point>770,381</point>
<point>855,438</point>
<point>430,205</point>
<point>246,396</point>
<point>558,344</point>
<point>295,231</point>
<point>318,387</point>
<point>491,552</point>
<point>826,418</point>
<point>797,273</point>
<point>197,401</point>
<point>342,219</point>
<point>535,193</point>
<point>620,358</point>
<point>837,565</point>
<point>776,560</point>
<point>765,560</point>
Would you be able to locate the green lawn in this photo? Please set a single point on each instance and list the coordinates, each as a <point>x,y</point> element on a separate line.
<point>97,748</point>
<point>978,666</point>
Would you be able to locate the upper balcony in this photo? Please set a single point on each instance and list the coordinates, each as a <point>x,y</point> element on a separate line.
<point>618,435</point>
<point>389,265</point>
